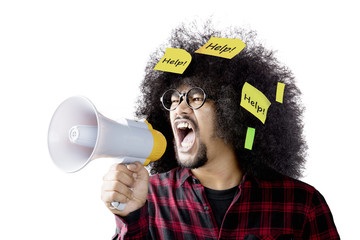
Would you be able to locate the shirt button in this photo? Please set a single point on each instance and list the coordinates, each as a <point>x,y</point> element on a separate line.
<point>206,208</point>
<point>195,181</point>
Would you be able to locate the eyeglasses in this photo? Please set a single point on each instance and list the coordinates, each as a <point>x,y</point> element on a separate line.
<point>194,98</point>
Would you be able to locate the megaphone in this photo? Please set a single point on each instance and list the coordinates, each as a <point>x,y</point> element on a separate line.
<point>78,134</point>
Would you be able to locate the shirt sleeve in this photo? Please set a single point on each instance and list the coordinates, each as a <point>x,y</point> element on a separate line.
<point>133,226</point>
<point>320,223</point>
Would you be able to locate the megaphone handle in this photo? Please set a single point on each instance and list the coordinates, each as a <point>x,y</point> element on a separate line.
<point>119,206</point>
<point>126,160</point>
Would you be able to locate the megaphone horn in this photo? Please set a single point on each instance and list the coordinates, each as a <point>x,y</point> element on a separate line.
<point>78,134</point>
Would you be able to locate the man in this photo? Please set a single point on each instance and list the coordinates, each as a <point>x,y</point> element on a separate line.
<point>207,185</point>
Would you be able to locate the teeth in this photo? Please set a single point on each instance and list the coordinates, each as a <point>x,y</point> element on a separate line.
<point>186,144</point>
<point>184,125</point>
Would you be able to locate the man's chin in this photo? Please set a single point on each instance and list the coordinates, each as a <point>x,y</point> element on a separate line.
<point>192,161</point>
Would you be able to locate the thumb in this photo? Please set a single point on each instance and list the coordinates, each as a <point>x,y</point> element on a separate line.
<point>138,170</point>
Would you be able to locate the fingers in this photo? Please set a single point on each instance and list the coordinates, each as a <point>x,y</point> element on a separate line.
<point>139,171</point>
<point>125,184</point>
<point>124,176</point>
<point>115,190</point>
<point>117,184</point>
<point>110,196</point>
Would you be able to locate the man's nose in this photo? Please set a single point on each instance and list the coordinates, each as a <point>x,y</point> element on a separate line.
<point>183,107</point>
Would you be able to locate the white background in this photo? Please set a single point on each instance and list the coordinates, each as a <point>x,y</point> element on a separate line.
<point>51,50</point>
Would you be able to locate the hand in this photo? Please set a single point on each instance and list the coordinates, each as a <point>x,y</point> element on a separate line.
<point>125,184</point>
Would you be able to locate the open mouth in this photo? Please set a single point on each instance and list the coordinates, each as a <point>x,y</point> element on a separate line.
<point>185,134</point>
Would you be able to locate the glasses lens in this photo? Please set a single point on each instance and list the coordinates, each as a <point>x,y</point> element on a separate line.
<point>195,97</point>
<point>171,99</point>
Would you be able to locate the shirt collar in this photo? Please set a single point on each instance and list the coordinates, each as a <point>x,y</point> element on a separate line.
<point>186,173</point>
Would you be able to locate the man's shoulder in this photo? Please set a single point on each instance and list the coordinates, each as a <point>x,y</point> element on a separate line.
<point>280,181</point>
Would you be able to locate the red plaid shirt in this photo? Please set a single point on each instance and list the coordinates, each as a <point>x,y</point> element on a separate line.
<point>276,208</point>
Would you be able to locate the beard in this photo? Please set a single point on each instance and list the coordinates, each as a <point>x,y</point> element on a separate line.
<point>199,160</point>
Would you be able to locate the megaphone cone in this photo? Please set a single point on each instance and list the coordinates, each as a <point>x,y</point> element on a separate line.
<point>78,134</point>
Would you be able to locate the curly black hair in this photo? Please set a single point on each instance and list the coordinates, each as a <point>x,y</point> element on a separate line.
<point>279,143</point>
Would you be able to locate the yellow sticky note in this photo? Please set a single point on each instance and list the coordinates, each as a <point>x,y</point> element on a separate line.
<point>222,47</point>
<point>255,102</point>
<point>280,92</point>
<point>175,60</point>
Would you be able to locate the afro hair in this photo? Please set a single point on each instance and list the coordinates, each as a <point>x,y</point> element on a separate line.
<point>279,144</point>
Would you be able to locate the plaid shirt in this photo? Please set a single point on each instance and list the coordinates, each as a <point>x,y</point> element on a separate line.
<point>276,208</point>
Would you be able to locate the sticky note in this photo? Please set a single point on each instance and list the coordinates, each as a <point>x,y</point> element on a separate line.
<point>249,140</point>
<point>175,60</point>
<point>255,102</point>
<point>222,47</point>
<point>280,92</point>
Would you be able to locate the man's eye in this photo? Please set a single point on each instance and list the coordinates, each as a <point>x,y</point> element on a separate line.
<point>197,99</point>
<point>174,99</point>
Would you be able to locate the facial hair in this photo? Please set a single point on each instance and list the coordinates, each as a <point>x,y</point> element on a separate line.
<point>199,160</point>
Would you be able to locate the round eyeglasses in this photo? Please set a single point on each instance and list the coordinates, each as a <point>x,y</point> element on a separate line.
<point>194,98</point>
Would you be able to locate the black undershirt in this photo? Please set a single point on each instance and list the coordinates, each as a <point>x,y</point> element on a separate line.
<point>220,201</point>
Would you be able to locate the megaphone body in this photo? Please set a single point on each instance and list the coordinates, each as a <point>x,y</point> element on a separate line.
<point>78,134</point>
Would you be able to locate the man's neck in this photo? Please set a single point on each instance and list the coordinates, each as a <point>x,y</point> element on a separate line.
<point>221,172</point>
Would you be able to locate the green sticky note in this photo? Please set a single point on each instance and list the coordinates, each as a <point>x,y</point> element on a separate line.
<point>280,92</point>
<point>249,140</point>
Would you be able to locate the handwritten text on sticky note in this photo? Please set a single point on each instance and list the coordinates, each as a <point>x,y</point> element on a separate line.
<point>255,102</point>
<point>222,47</point>
<point>175,60</point>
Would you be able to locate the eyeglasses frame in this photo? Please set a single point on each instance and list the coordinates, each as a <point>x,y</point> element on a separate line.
<point>183,96</point>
